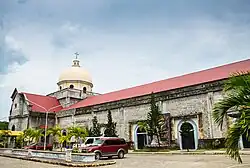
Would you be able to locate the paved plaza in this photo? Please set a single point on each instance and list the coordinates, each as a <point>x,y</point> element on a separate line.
<point>148,161</point>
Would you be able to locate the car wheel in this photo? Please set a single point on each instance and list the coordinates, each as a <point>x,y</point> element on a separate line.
<point>120,154</point>
<point>97,155</point>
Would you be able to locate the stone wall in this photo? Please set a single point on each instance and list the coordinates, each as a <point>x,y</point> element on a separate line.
<point>19,123</point>
<point>122,116</point>
<point>17,106</point>
<point>39,120</point>
<point>68,96</point>
<point>195,102</point>
<point>19,113</point>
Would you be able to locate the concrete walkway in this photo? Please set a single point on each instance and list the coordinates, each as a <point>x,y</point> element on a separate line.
<point>193,152</point>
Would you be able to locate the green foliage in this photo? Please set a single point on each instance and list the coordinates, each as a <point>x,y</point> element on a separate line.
<point>55,132</point>
<point>154,125</point>
<point>37,134</point>
<point>20,141</point>
<point>28,134</point>
<point>110,130</point>
<point>4,138</point>
<point>75,150</point>
<point>4,125</point>
<point>95,131</point>
<point>78,132</point>
<point>237,98</point>
<point>64,138</point>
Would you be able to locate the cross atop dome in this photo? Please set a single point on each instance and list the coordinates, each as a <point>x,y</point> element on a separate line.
<point>76,53</point>
<point>76,62</point>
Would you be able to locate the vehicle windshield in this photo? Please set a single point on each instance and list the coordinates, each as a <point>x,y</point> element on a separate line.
<point>97,142</point>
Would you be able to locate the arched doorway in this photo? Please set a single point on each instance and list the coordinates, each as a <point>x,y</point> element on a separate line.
<point>64,133</point>
<point>187,136</point>
<point>141,138</point>
<point>13,128</point>
<point>13,139</point>
<point>245,140</point>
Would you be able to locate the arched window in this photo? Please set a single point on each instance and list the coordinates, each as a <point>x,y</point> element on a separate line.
<point>71,86</point>
<point>60,87</point>
<point>84,89</point>
<point>64,132</point>
<point>13,128</point>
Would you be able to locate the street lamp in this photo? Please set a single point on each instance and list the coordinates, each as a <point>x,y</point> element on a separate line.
<point>46,119</point>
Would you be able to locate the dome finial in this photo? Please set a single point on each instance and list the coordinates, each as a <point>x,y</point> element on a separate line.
<point>76,53</point>
<point>76,61</point>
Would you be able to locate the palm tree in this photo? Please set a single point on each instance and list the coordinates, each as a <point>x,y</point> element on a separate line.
<point>28,134</point>
<point>155,121</point>
<point>20,140</point>
<point>37,134</point>
<point>78,132</point>
<point>236,98</point>
<point>55,132</point>
<point>63,138</point>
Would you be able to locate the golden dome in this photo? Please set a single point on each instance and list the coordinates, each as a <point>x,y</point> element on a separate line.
<point>75,73</point>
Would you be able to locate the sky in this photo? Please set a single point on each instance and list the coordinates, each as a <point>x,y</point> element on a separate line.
<point>121,43</point>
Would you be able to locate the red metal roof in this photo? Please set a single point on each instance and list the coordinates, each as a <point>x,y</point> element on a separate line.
<point>48,103</point>
<point>209,75</point>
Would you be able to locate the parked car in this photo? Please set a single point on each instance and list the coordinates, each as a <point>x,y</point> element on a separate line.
<point>108,147</point>
<point>89,141</point>
<point>39,146</point>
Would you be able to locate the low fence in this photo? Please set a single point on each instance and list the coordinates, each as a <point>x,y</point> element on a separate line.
<point>67,155</point>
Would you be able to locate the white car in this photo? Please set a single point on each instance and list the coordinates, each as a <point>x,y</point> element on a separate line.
<point>89,141</point>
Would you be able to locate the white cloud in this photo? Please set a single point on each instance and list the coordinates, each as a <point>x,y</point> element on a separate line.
<point>119,59</point>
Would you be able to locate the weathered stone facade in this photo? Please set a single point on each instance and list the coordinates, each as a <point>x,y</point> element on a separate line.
<point>187,99</point>
<point>21,117</point>
<point>193,103</point>
<point>19,113</point>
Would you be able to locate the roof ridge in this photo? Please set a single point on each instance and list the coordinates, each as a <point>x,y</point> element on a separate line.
<point>186,74</point>
<point>37,94</point>
<point>208,75</point>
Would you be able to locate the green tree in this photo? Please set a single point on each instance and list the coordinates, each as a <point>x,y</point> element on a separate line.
<point>95,131</point>
<point>29,135</point>
<point>236,98</point>
<point>4,138</point>
<point>37,134</point>
<point>20,140</point>
<point>154,124</point>
<point>78,132</point>
<point>55,132</point>
<point>63,138</point>
<point>4,125</point>
<point>110,127</point>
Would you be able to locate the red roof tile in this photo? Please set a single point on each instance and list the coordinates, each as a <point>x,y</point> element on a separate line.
<point>209,75</point>
<point>47,102</point>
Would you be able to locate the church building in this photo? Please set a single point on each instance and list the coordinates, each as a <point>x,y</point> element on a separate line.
<point>186,99</point>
